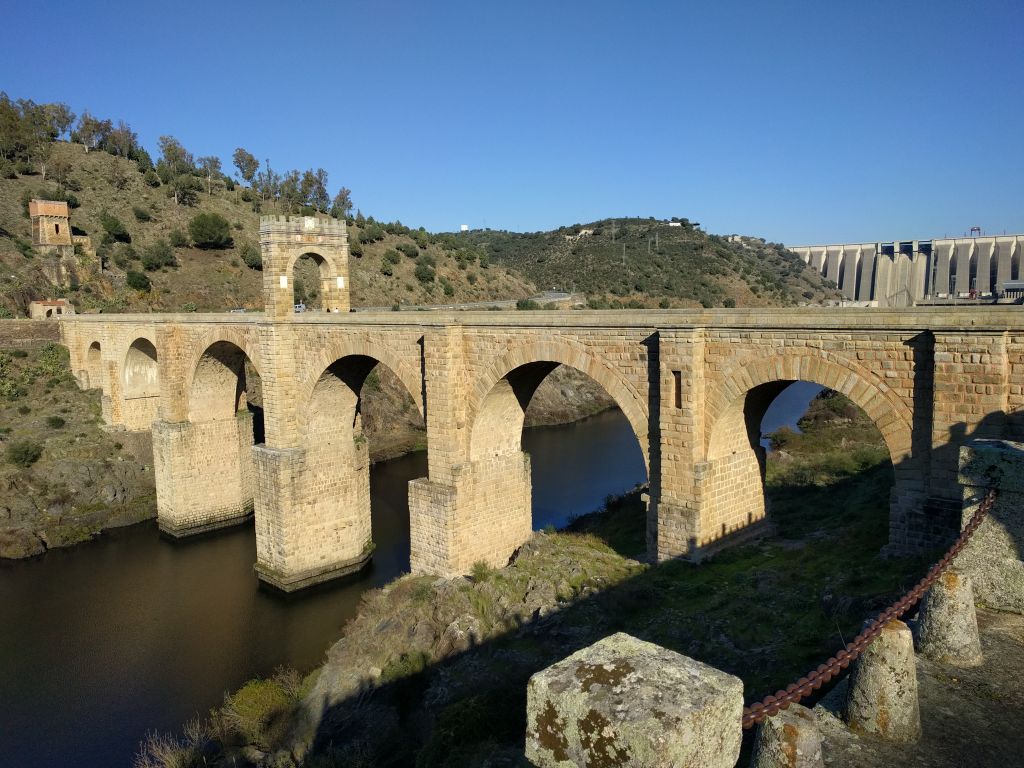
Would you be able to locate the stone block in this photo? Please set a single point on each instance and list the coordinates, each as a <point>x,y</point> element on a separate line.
<point>789,739</point>
<point>947,626</point>
<point>882,696</point>
<point>626,702</point>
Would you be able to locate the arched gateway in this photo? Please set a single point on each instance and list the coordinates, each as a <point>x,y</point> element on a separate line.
<point>691,383</point>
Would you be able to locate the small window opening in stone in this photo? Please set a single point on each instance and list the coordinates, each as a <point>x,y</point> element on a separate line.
<point>678,378</point>
<point>56,229</point>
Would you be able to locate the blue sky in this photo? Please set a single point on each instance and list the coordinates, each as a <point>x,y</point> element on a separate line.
<point>802,122</point>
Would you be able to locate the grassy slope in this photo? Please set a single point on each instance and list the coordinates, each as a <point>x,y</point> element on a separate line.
<point>212,280</point>
<point>443,665</point>
<point>685,268</point>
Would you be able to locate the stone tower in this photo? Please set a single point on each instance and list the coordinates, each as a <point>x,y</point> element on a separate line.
<point>285,239</point>
<point>51,225</point>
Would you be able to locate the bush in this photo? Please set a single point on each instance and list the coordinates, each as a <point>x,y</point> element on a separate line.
<point>138,281</point>
<point>409,250</point>
<point>525,304</point>
<point>55,422</point>
<point>178,239</point>
<point>386,268</point>
<point>141,214</point>
<point>356,249</point>
<point>189,306</point>
<point>425,273</point>
<point>210,230</point>
<point>24,453</point>
<point>391,256</point>
<point>151,178</point>
<point>159,254</point>
<point>113,227</point>
<point>251,256</point>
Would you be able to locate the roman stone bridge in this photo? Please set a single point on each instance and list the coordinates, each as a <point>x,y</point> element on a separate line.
<point>694,386</point>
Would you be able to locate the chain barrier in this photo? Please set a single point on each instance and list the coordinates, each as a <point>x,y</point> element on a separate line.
<point>794,692</point>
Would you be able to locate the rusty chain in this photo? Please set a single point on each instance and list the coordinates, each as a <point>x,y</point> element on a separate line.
<point>794,692</point>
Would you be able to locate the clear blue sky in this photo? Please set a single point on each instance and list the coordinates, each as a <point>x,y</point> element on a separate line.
<point>803,122</point>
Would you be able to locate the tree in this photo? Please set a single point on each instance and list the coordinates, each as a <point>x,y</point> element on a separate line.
<point>60,118</point>
<point>210,230</point>
<point>91,131</point>
<point>247,165</point>
<point>211,167</point>
<point>268,183</point>
<point>314,189</point>
<point>61,169</point>
<point>176,164</point>
<point>113,227</point>
<point>121,141</point>
<point>342,203</point>
<point>288,192</point>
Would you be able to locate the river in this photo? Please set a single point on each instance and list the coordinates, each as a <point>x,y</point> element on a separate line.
<point>104,641</point>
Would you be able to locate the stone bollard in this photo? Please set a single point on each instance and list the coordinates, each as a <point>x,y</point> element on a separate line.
<point>994,557</point>
<point>789,739</point>
<point>882,697</point>
<point>947,626</point>
<point>626,702</point>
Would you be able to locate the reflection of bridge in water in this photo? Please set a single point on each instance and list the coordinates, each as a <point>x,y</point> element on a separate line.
<point>902,273</point>
<point>694,386</point>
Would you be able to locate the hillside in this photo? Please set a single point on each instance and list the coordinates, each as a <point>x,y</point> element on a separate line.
<point>213,279</point>
<point>648,263</point>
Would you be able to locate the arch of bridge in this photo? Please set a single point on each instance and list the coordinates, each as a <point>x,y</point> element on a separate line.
<point>573,355</point>
<point>320,256</point>
<point>139,372</point>
<point>241,338</point>
<point>893,417</point>
<point>337,349</point>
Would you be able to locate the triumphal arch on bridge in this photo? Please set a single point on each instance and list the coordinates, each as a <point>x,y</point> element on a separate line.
<point>692,384</point>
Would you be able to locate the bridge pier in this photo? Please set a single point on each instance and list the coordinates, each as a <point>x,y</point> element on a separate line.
<point>484,514</point>
<point>312,514</point>
<point>204,474</point>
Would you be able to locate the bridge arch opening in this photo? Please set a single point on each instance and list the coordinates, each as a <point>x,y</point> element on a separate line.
<point>226,385</point>
<point>94,365</point>
<point>747,461</point>
<point>317,283</point>
<point>358,410</point>
<point>574,467</point>
<point>141,372</point>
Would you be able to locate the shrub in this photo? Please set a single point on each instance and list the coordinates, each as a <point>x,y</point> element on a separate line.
<point>386,268</point>
<point>425,273</point>
<point>409,250</point>
<point>392,256</point>
<point>141,214</point>
<point>24,453</point>
<point>251,256</point>
<point>113,227</point>
<point>138,281</point>
<point>246,196</point>
<point>259,712</point>
<point>55,422</point>
<point>210,230</point>
<point>178,239</point>
<point>189,306</point>
<point>356,249</point>
<point>449,289</point>
<point>159,254</point>
<point>24,410</point>
<point>481,571</point>
<point>151,178</point>
<point>472,278</point>
<point>525,304</point>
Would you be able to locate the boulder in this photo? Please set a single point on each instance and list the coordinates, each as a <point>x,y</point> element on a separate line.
<point>626,702</point>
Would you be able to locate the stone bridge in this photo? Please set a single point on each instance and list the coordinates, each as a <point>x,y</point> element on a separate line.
<point>694,385</point>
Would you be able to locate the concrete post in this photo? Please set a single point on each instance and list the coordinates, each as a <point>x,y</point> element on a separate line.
<point>882,697</point>
<point>789,739</point>
<point>992,558</point>
<point>947,626</point>
<point>625,702</point>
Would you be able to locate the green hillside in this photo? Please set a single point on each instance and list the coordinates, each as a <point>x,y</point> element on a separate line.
<point>648,263</point>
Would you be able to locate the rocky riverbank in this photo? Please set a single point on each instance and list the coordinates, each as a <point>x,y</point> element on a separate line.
<point>433,672</point>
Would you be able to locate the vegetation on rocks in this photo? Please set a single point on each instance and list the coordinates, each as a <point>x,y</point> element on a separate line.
<point>63,478</point>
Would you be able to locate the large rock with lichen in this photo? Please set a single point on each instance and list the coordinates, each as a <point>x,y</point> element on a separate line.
<point>626,702</point>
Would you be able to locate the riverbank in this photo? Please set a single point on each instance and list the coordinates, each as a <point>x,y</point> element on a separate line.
<point>433,671</point>
<point>63,477</point>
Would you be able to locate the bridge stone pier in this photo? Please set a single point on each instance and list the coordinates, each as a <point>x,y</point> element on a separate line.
<point>693,385</point>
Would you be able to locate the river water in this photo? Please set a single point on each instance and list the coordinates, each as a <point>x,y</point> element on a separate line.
<point>102,642</point>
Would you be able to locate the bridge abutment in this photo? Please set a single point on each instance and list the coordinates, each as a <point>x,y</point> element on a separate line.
<point>204,474</point>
